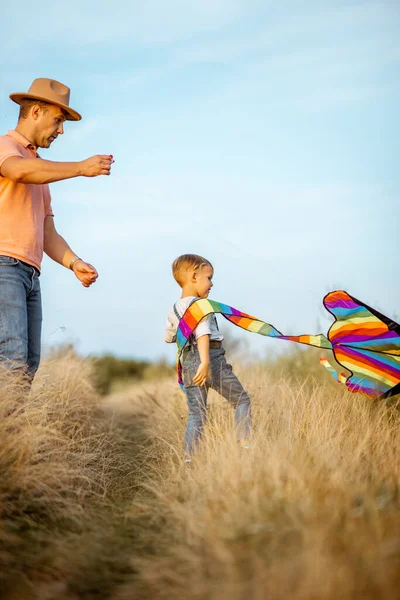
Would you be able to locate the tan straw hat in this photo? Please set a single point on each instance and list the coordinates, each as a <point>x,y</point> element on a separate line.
<point>51,91</point>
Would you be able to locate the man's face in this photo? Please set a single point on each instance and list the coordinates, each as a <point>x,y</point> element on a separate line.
<point>49,125</point>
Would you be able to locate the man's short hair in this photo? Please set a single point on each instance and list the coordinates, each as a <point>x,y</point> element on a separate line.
<point>186,262</point>
<point>26,105</point>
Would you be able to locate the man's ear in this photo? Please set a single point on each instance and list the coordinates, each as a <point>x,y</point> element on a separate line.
<point>36,111</point>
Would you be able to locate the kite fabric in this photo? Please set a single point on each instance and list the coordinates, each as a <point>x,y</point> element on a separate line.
<point>340,377</point>
<point>366,343</point>
<point>363,341</point>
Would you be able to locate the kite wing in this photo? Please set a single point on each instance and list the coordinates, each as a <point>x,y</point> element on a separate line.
<point>366,343</point>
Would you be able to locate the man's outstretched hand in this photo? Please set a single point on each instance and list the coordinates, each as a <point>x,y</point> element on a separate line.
<point>85,272</point>
<point>97,165</point>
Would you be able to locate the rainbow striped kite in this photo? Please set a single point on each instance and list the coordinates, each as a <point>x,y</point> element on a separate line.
<point>366,343</point>
<point>362,340</point>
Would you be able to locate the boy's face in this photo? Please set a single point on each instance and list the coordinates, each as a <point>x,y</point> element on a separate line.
<point>203,281</point>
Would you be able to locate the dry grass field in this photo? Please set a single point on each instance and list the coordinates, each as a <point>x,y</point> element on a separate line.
<point>96,503</point>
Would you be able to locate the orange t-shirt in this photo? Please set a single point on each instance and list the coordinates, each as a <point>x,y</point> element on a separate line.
<point>23,206</point>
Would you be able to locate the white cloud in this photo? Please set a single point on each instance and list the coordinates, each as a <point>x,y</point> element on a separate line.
<point>142,228</point>
<point>153,23</point>
<point>334,44</point>
<point>88,127</point>
<point>142,22</point>
<point>100,229</point>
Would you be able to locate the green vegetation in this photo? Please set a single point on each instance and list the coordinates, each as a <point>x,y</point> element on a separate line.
<point>110,372</point>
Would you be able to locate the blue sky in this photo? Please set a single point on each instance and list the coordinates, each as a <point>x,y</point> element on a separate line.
<point>262,135</point>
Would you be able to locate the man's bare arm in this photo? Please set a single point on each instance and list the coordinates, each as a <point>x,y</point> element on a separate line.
<point>57,249</point>
<point>55,246</point>
<point>37,170</point>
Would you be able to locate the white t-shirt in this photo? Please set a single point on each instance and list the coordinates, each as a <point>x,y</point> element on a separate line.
<point>208,326</point>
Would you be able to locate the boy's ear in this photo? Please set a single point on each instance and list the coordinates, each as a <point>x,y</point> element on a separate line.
<point>194,276</point>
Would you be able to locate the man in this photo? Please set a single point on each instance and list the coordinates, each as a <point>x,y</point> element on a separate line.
<point>26,218</point>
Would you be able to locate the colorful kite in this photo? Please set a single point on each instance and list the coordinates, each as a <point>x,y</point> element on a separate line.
<point>362,340</point>
<point>366,343</point>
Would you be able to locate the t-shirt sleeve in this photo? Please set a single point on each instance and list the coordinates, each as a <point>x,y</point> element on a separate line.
<point>170,332</point>
<point>204,327</point>
<point>8,149</point>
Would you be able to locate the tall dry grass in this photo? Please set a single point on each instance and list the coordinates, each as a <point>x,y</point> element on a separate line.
<point>97,503</point>
<point>67,468</point>
<point>312,511</point>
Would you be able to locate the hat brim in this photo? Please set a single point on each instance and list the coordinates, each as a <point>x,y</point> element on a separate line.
<point>71,114</point>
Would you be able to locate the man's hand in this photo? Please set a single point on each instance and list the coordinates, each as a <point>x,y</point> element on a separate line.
<point>85,272</point>
<point>37,170</point>
<point>97,165</point>
<point>202,373</point>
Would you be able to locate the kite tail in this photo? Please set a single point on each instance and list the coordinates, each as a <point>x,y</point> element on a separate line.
<point>339,377</point>
<point>362,340</point>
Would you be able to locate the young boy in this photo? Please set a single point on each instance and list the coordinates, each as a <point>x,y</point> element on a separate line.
<point>203,358</point>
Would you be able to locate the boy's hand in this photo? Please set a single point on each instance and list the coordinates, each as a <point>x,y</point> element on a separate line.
<point>203,344</point>
<point>202,373</point>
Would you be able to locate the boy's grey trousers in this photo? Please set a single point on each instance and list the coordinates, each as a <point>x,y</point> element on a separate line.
<point>225,382</point>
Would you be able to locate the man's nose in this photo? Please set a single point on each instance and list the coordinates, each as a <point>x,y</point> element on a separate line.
<point>60,129</point>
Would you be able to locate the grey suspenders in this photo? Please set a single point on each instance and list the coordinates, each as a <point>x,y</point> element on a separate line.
<point>192,339</point>
<point>176,313</point>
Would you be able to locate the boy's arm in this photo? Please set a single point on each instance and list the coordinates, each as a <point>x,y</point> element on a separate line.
<point>170,332</point>
<point>37,170</point>
<point>203,344</point>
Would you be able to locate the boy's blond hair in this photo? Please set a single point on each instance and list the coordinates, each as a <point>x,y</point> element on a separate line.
<point>185,263</point>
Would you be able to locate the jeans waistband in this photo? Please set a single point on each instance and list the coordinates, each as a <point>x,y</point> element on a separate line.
<point>30,267</point>
<point>22,263</point>
<point>214,344</point>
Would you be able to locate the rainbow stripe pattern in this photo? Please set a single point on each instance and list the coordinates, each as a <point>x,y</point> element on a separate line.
<point>366,343</point>
<point>340,377</point>
<point>363,341</point>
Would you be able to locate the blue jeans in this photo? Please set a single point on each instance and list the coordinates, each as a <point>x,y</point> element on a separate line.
<point>20,316</point>
<point>224,381</point>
